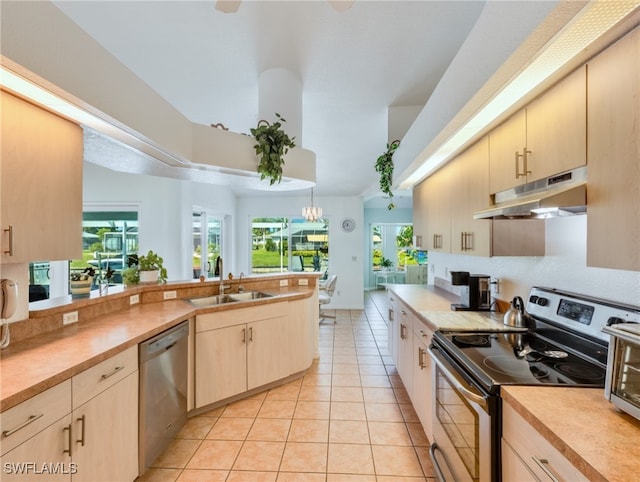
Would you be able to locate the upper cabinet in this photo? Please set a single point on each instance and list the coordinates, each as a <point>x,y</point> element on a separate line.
<point>545,138</point>
<point>470,193</point>
<point>41,180</point>
<point>613,195</point>
<point>437,198</point>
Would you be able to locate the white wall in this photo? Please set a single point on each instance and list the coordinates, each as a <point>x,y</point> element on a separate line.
<point>346,256</point>
<point>563,267</point>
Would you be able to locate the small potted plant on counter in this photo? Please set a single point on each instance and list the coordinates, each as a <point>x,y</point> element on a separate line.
<point>80,282</point>
<point>151,269</point>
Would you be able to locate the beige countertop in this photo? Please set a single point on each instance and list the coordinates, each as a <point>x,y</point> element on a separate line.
<point>32,365</point>
<point>601,442</point>
<point>433,306</point>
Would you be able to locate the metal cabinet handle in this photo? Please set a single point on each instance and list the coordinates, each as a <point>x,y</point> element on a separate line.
<point>115,370</point>
<point>69,450</point>
<point>30,420</point>
<point>544,465</point>
<point>10,231</point>
<point>436,464</point>
<point>251,333</point>
<point>244,335</point>
<point>421,353</point>
<point>81,440</point>
<point>403,331</point>
<point>466,241</point>
<point>525,156</point>
<point>518,157</point>
<point>390,314</point>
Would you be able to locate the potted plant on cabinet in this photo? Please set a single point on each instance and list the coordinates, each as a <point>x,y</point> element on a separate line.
<point>272,143</point>
<point>151,269</point>
<point>80,282</point>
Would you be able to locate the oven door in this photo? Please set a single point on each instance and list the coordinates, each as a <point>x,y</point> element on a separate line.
<point>622,386</point>
<point>464,424</point>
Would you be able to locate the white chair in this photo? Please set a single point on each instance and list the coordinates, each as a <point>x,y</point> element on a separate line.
<point>325,294</point>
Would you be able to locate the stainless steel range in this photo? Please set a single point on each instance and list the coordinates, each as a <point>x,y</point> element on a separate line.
<point>565,346</point>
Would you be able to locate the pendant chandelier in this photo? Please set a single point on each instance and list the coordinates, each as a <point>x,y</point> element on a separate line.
<point>311,213</point>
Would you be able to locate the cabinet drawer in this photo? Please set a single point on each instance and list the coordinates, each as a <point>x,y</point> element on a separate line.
<point>535,451</point>
<point>222,319</point>
<point>32,416</point>
<point>98,378</point>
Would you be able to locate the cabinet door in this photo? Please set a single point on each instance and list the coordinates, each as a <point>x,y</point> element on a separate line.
<point>405,350</point>
<point>221,364</point>
<point>506,146</point>
<point>438,208</point>
<point>613,197</point>
<point>392,327</point>
<point>557,128</point>
<point>47,451</point>
<point>471,173</point>
<point>419,196</point>
<point>41,177</point>
<point>513,467</point>
<point>300,334</point>
<point>422,390</point>
<point>105,434</point>
<point>267,351</point>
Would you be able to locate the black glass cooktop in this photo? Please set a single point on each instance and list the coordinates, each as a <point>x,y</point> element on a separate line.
<point>519,359</point>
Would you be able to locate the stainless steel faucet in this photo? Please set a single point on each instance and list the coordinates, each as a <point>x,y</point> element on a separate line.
<point>240,287</point>
<point>221,273</point>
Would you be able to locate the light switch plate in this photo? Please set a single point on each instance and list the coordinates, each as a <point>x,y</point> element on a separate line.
<point>134,299</point>
<point>169,295</point>
<point>303,282</point>
<point>284,282</point>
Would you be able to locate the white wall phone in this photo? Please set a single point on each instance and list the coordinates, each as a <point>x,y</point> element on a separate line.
<point>8,303</point>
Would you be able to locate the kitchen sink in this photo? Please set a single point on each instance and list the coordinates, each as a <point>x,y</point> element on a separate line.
<point>232,298</point>
<point>211,301</point>
<point>249,295</point>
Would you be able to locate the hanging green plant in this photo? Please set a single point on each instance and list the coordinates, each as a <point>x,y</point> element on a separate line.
<point>272,143</point>
<point>384,167</point>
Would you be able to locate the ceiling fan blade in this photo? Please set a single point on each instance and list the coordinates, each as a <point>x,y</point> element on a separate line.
<point>341,5</point>
<point>228,6</point>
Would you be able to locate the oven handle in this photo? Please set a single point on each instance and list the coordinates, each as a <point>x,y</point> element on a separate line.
<point>456,380</point>
<point>622,334</point>
<point>436,464</point>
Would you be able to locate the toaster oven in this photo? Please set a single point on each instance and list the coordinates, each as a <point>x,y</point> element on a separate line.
<point>622,385</point>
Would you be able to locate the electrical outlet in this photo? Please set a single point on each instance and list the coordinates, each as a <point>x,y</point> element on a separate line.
<point>303,282</point>
<point>71,317</point>
<point>495,285</point>
<point>134,299</point>
<point>169,295</point>
<point>284,282</point>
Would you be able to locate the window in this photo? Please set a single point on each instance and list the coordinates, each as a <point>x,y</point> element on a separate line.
<point>289,244</point>
<point>109,235</point>
<point>207,239</point>
<point>391,247</point>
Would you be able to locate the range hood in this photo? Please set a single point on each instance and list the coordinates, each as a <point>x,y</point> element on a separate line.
<point>561,194</point>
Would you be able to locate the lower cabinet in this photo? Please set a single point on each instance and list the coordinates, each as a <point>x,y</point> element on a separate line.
<point>90,436</point>
<point>404,365</point>
<point>245,348</point>
<point>422,390</point>
<point>528,456</point>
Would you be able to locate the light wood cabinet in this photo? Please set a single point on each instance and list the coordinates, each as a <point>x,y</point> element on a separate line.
<point>105,420</point>
<point>419,198</point>
<point>41,177</point>
<point>246,348</point>
<point>527,455</point>
<point>613,195</point>
<point>470,193</point>
<point>37,436</point>
<point>545,138</point>
<point>422,378</point>
<point>392,328</point>
<point>83,429</point>
<point>404,337</point>
<point>437,200</point>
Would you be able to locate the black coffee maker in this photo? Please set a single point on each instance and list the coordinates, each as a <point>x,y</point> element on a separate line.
<point>475,294</point>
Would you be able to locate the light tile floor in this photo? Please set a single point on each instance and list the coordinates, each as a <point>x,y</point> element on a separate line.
<point>348,419</point>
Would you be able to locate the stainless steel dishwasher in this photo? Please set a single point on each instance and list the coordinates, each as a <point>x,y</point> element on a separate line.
<point>163,391</point>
